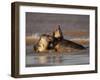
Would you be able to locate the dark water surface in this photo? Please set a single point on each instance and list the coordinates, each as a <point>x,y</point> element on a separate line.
<point>56,59</point>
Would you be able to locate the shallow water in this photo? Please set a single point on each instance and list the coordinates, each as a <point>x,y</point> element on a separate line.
<point>56,59</point>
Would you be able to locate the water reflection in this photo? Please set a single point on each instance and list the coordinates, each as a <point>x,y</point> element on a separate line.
<point>57,59</point>
<point>53,59</point>
<point>42,59</point>
<point>48,59</point>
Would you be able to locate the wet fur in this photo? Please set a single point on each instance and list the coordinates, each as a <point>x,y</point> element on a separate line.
<point>44,43</point>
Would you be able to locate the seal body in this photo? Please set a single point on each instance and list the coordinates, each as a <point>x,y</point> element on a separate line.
<point>56,42</point>
<point>44,44</point>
